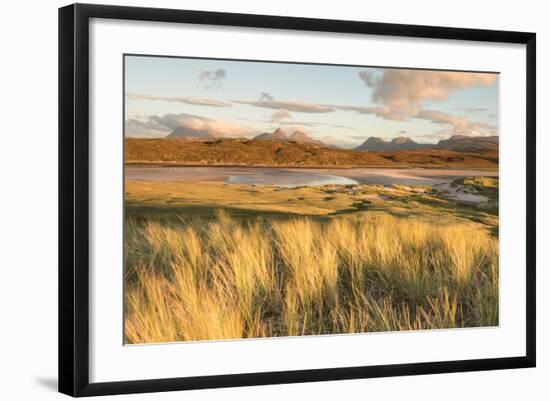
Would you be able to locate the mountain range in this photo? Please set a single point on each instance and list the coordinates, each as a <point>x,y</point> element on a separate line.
<point>461,143</point>
<point>190,133</point>
<point>280,136</point>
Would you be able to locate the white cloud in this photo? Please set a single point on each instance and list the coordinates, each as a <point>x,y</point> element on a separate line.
<point>139,126</point>
<point>343,142</point>
<point>457,125</point>
<point>470,110</point>
<point>283,117</point>
<point>268,102</point>
<point>155,126</point>
<point>280,116</point>
<point>180,99</point>
<point>401,94</point>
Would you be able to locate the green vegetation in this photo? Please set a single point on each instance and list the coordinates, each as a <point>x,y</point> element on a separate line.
<point>487,186</point>
<point>215,261</point>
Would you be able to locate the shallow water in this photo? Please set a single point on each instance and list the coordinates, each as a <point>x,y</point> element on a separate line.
<point>297,177</point>
<point>289,179</point>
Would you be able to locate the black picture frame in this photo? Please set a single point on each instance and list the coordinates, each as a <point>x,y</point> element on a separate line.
<point>74,198</point>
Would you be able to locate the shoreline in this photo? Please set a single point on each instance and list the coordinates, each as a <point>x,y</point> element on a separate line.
<point>258,166</point>
<point>291,176</point>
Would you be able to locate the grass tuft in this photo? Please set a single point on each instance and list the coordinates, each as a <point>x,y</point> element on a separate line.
<point>228,278</point>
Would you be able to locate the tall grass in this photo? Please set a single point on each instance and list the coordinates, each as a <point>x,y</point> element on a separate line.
<point>223,279</point>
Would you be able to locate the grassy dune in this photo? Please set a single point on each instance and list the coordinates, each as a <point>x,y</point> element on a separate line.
<point>214,261</point>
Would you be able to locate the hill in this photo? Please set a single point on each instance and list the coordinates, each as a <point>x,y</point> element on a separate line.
<point>186,133</point>
<point>374,144</point>
<point>300,137</point>
<point>442,158</point>
<point>459,143</point>
<point>463,143</point>
<point>244,152</point>
<point>279,136</point>
<point>247,152</point>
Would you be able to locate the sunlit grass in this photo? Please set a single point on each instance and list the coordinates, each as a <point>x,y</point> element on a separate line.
<point>225,278</point>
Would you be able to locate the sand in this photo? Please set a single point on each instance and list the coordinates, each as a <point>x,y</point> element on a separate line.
<point>292,177</point>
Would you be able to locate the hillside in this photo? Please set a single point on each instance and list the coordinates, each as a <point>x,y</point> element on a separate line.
<point>399,143</point>
<point>279,136</point>
<point>184,132</point>
<point>463,143</point>
<point>459,143</point>
<point>246,152</point>
<point>442,158</point>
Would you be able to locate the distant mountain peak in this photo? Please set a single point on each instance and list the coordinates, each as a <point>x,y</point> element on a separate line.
<point>379,144</point>
<point>301,137</point>
<point>469,143</point>
<point>401,140</point>
<point>461,143</point>
<point>375,139</point>
<point>277,135</point>
<point>297,134</point>
<point>281,136</point>
<point>186,132</point>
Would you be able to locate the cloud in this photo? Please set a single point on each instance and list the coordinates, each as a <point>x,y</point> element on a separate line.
<point>342,142</point>
<point>428,138</point>
<point>266,96</point>
<point>139,126</point>
<point>472,109</point>
<point>280,115</point>
<point>403,131</point>
<point>284,117</point>
<point>378,111</point>
<point>186,100</point>
<point>300,107</point>
<point>268,102</point>
<point>312,124</point>
<point>367,77</point>
<point>334,125</point>
<point>458,125</point>
<point>401,94</point>
<point>213,79</point>
<point>155,126</point>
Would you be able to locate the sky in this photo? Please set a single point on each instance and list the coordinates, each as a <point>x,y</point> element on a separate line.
<point>339,105</point>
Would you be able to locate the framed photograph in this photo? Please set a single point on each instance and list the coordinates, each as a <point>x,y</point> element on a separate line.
<point>251,199</point>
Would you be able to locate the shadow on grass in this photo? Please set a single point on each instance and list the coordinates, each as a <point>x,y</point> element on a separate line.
<point>402,207</point>
<point>143,213</point>
<point>456,209</point>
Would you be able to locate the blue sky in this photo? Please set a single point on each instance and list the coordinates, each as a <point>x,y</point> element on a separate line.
<point>338,104</point>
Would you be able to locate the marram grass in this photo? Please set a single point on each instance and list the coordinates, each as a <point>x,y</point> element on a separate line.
<point>225,278</point>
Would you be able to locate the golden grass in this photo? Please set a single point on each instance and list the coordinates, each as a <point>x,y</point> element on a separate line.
<point>225,278</point>
<point>153,200</point>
